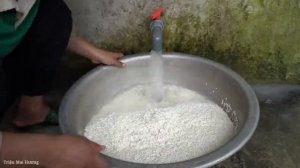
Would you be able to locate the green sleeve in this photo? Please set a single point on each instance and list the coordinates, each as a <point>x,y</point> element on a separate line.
<point>10,36</point>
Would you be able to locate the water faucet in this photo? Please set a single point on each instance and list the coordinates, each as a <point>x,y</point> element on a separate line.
<point>156,27</point>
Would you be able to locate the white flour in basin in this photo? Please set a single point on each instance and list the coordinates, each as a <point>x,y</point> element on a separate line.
<point>184,125</point>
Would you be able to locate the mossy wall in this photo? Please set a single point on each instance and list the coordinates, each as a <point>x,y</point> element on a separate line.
<point>260,39</point>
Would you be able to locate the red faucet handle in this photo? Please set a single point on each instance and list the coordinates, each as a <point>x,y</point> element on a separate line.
<point>156,14</point>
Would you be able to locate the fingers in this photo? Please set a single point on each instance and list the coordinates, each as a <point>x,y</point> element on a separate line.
<point>95,61</point>
<point>98,148</point>
<point>110,58</point>
<point>117,62</point>
<point>100,163</point>
<point>119,55</point>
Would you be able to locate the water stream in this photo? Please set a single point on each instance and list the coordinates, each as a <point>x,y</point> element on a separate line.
<point>155,91</point>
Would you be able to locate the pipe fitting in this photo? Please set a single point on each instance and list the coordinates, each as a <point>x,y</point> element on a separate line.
<point>156,27</point>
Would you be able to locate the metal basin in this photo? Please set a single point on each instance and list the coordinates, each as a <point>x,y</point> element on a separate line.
<point>212,79</point>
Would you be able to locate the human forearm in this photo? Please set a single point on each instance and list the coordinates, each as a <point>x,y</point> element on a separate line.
<point>82,47</point>
<point>48,151</point>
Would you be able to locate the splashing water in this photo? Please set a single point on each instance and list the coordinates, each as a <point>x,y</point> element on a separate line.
<point>156,88</point>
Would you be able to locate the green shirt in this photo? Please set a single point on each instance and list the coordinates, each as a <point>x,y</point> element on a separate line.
<point>10,35</point>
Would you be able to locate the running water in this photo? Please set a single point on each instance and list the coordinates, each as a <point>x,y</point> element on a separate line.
<point>156,88</point>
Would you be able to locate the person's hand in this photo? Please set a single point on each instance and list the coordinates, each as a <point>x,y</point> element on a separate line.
<point>75,152</point>
<point>82,47</point>
<point>49,151</point>
<point>107,58</point>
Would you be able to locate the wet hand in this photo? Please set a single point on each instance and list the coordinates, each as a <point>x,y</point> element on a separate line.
<point>75,152</point>
<point>82,47</point>
<point>108,58</point>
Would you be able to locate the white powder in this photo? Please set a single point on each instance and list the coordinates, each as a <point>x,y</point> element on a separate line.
<point>184,125</point>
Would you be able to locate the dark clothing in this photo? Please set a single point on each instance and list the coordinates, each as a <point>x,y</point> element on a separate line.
<point>30,68</point>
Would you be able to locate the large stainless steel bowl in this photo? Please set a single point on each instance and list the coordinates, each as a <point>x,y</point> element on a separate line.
<point>212,79</point>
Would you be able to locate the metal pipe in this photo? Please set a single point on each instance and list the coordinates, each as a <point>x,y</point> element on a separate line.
<point>156,27</point>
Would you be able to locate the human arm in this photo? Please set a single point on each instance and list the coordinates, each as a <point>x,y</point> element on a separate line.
<point>82,47</point>
<point>50,151</point>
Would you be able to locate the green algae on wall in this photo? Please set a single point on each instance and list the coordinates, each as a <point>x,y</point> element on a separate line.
<point>257,38</point>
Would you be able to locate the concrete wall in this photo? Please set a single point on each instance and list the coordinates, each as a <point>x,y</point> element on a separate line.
<point>257,38</point>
